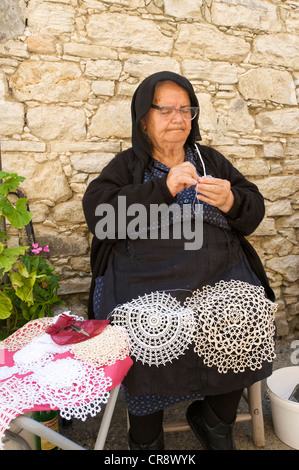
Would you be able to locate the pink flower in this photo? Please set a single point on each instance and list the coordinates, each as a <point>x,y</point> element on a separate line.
<point>37,249</point>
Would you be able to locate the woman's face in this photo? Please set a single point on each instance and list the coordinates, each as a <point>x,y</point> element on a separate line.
<point>167,132</point>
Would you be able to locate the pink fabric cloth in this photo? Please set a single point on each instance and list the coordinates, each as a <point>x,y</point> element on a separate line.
<point>116,372</point>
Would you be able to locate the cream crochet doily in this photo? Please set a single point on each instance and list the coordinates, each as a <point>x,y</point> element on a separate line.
<point>104,349</point>
<point>234,326</point>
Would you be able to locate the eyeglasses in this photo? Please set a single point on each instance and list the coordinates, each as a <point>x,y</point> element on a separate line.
<point>168,112</point>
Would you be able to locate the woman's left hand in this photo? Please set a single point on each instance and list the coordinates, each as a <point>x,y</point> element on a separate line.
<point>216,192</point>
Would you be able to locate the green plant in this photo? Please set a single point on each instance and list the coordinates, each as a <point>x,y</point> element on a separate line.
<point>18,216</point>
<point>29,286</point>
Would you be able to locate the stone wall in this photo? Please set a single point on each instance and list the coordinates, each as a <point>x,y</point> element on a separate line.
<point>68,69</point>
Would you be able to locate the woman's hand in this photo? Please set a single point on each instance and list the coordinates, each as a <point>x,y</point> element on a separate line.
<point>180,177</point>
<point>216,192</point>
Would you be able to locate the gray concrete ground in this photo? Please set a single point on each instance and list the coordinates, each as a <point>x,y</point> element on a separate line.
<point>85,433</point>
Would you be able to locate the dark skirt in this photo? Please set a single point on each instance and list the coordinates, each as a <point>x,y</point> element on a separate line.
<point>138,267</point>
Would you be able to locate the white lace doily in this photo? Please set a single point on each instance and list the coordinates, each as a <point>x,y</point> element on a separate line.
<point>38,352</point>
<point>26,334</point>
<point>76,389</point>
<point>104,349</point>
<point>159,328</point>
<point>234,326</point>
<point>12,399</point>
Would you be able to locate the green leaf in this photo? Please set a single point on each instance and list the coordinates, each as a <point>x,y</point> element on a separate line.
<point>4,236</point>
<point>23,271</point>
<point>42,311</point>
<point>18,216</point>
<point>8,256</point>
<point>10,182</point>
<point>5,306</point>
<point>25,311</point>
<point>23,286</point>
<point>7,208</point>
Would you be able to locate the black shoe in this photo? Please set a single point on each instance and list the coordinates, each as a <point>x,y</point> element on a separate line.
<point>219,437</point>
<point>157,444</point>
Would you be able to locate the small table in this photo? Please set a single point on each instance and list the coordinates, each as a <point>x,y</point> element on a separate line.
<point>15,387</point>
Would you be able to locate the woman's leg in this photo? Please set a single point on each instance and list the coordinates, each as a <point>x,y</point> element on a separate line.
<point>212,420</point>
<point>146,431</point>
<point>222,407</point>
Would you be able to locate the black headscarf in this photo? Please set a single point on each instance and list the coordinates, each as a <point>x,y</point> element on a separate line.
<point>142,101</point>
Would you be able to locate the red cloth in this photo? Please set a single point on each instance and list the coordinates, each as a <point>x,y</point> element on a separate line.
<point>62,333</point>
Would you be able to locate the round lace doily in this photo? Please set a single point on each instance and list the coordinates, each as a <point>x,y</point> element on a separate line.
<point>75,388</point>
<point>234,326</point>
<point>159,328</point>
<point>104,349</point>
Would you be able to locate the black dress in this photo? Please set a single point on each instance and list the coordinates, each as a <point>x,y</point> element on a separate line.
<point>124,269</point>
<point>141,266</point>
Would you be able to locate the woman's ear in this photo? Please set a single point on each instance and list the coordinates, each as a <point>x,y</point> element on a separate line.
<point>143,124</point>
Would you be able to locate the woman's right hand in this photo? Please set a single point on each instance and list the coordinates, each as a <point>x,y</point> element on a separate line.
<point>180,177</point>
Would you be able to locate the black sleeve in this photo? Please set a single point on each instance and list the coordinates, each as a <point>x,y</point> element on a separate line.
<point>114,187</point>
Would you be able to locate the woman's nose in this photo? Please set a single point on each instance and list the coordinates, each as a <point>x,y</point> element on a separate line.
<point>177,116</point>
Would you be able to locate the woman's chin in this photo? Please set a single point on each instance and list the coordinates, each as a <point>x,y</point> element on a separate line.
<point>176,137</point>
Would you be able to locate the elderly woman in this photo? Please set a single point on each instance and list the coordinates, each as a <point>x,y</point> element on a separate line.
<point>166,165</point>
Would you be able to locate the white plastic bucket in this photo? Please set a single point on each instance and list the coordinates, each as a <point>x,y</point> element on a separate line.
<point>285,413</point>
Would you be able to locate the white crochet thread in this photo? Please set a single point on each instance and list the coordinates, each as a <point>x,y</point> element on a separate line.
<point>159,327</point>
<point>234,326</point>
<point>104,349</point>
